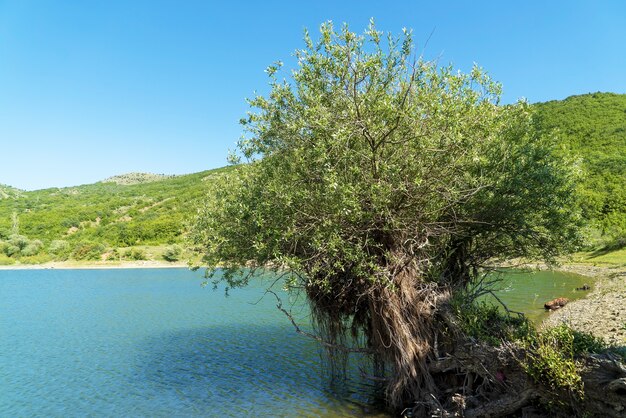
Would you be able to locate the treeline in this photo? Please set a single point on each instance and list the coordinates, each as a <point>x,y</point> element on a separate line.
<point>592,127</point>
<point>99,221</point>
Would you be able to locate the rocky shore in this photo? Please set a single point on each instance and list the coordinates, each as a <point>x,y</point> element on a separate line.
<point>603,311</point>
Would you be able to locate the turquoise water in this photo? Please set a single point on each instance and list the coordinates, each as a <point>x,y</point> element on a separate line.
<point>154,343</point>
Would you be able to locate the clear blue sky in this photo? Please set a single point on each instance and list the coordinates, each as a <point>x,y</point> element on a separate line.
<point>89,89</point>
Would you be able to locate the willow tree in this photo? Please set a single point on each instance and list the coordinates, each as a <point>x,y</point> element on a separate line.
<point>383,183</point>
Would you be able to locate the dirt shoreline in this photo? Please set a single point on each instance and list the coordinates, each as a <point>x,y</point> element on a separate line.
<point>602,312</point>
<point>72,265</point>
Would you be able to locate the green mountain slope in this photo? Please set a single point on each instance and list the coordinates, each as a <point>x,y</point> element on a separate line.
<point>87,221</point>
<point>98,220</point>
<point>593,128</point>
<point>8,192</point>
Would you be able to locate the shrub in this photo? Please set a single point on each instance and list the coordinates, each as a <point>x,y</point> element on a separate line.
<point>87,251</point>
<point>135,254</point>
<point>552,357</point>
<point>19,241</point>
<point>172,253</point>
<point>114,254</point>
<point>10,250</point>
<point>59,248</point>
<point>485,322</point>
<point>33,248</point>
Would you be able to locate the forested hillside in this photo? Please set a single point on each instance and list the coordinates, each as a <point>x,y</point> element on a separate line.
<point>105,219</point>
<point>593,128</point>
<point>94,221</point>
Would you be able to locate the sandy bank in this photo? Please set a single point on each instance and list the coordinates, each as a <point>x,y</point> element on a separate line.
<point>95,265</point>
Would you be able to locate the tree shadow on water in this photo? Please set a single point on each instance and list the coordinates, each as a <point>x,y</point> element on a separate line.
<point>240,370</point>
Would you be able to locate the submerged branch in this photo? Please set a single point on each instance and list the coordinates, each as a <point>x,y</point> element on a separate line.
<point>317,338</point>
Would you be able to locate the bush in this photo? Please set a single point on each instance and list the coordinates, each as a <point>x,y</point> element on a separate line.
<point>136,254</point>
<point>87,251</point>
<point>114,254</point>
<point>19,245</point>
<point>10,250</point>
<point>59,248</point>
<point>172,253</point>
<point>486,322</point>
<point>19,241</point>
<point>551,360</point>
<point>552,357</point>
<point>33,248</point>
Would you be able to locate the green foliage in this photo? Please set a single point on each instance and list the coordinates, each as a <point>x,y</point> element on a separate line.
<point>5,260</point>
<point>366,157</point>
<point>592,127</point>
<point>32,248</point>
<point>140,210</point>
<point>485,322</point>
<point>8,192</point>
<point>86,250</point>
<point>172,253</point>
<point>552,357</point>
<point>19,245</point>
<point>36,259</point>
<point>136,254</point>
<point>18,242</point>
<point>114,254</point>
<point>59,248</point>
<point>381,182</point>
<point>550,366</point>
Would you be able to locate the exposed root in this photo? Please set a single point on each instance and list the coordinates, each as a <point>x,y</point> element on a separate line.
<point>430,366</point>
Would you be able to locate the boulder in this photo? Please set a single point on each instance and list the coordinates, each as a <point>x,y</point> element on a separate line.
<point>555,303</point>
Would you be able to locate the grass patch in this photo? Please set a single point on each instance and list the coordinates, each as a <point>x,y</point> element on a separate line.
<point>616,257</point>
<point>6,261</point>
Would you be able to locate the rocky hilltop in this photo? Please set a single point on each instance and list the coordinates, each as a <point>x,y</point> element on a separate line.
<point>137,178</point>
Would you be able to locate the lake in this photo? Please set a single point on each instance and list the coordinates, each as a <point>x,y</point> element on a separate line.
<point>155,343</point>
